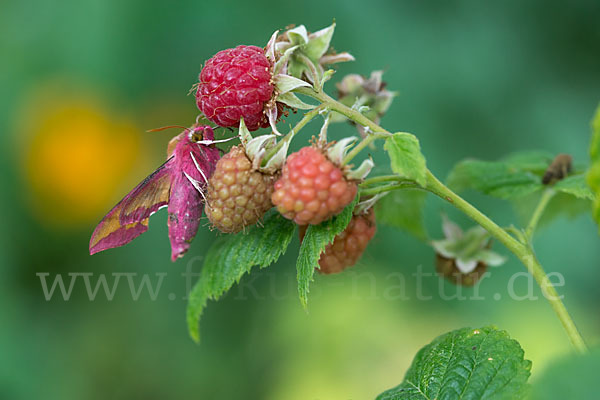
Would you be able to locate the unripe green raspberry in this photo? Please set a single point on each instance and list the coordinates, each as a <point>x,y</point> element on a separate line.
<point>238,196</point>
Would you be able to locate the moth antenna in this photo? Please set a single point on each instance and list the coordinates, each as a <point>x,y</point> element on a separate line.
<point>165,128</point>
<point>198,167</point>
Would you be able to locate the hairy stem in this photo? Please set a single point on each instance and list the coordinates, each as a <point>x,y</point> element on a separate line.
<point>380,179</point>
<point>522,250</point>
<point>375,131</point>
<point>348,112</point>
<point>518,233</point>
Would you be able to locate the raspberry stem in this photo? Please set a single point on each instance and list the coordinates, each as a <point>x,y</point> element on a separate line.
<point>335,105</point>
<point>391,182</point>
<point>523,251</point>
<point>364,143</point>
<point>388,188</point>
<point>379,179</point>
<point>537,213</point>
<point>305,120</point>
<point>376,131</point>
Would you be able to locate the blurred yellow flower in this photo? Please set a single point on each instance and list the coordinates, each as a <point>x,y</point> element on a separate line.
<point>76,156</point>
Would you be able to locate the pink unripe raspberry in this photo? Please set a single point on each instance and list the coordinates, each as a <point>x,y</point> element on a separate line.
<point>236,83</point>
<point>311,188</point>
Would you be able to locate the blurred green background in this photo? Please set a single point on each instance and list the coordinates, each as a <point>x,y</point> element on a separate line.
<point>82,81</point>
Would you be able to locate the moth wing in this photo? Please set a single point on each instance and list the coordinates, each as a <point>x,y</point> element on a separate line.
<point>173,143</point>
<point>149,196</point>
<point>129,218</point>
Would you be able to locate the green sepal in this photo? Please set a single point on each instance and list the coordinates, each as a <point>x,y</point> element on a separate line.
<point>298,36</point>
<point>318,43</point>
<point>286,83</point>
<point>291,100</point>
<point>467,248</point>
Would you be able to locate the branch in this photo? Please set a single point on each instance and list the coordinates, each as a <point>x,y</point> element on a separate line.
<point>522,250</point>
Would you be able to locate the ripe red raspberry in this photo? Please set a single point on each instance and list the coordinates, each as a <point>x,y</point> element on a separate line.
<point>236,83</point>
<point>348,246</point>
<point>311,188</point>
<point>237,195</point>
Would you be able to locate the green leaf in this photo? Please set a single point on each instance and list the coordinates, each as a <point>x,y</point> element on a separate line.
<point>466,364</point>
<point>313,244</point>
<point>514,177</point>
<point>497,179</point>
<point>593,178</point>
<point>535,161</point>
<point>232,256</point>
<point>562,205</point>
<point>575,185</point>
<point>595,145</point>
<point>575,195</point>
<point>571,377</point>
<point>593,175</point>
<point>404,209</point>
<point>406,158</point>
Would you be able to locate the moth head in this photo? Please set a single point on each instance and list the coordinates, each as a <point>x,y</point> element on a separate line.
<point>198,133</point>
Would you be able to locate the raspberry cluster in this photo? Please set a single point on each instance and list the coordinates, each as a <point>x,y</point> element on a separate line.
<point>311,188</point>
<point>236,83</point>
<point>238,195</point>
<point>348,246</point>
